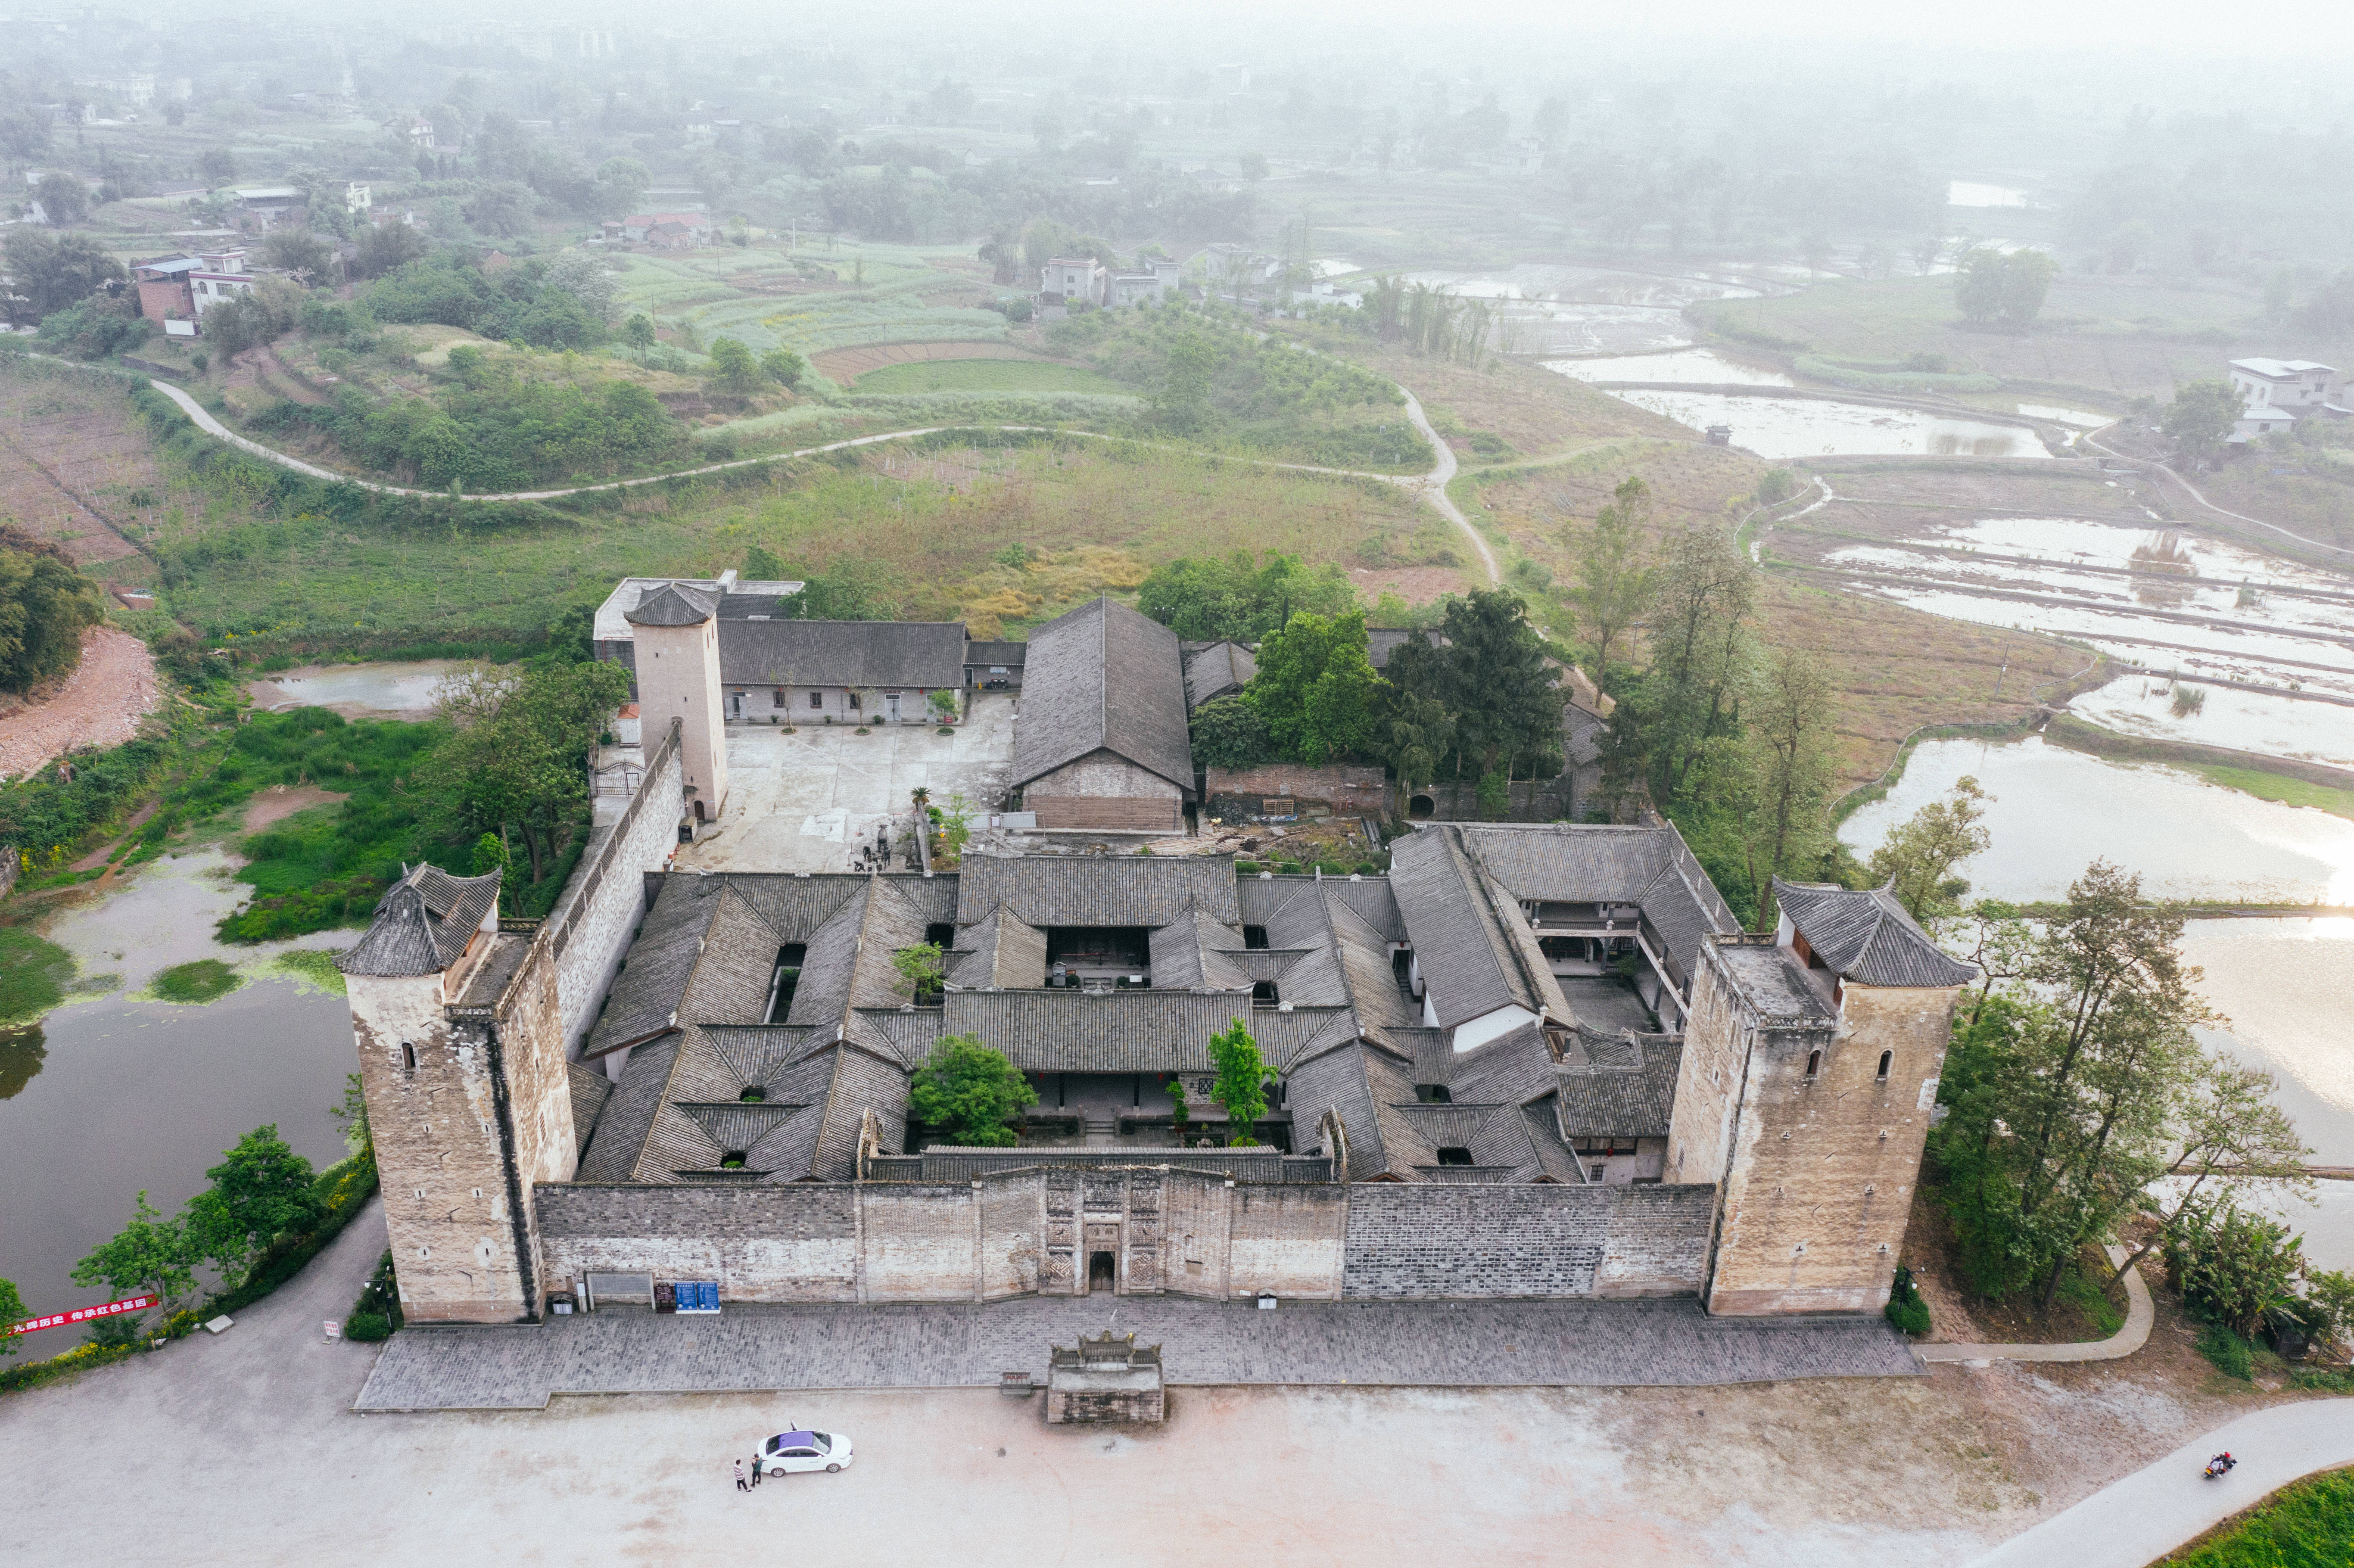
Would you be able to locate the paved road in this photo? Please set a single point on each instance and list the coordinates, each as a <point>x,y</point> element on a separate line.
<point>2149,1513</point>
<point>961,1344</point>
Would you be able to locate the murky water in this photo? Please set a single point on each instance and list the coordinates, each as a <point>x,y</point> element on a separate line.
<point>113,1095</point>
<point>1813,427</point>
<point>383,690</point>
<point>1703,366</point>
<point>2085,416</point>
<point>2287,986</point>
<point>2245,721</point>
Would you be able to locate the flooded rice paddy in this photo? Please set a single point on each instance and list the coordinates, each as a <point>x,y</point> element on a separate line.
<point>2285,987</point>
<point>1816,426</point>
<point>397,690</point>
<point>1544,310</point>
<point>1702,366</point>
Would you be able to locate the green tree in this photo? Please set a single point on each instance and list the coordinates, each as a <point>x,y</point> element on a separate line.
<point>784,367</point>
<point>64,198</point>
<point>1242,1077</point>
<point>2228,1130</point>
<point>352,1114</point>
<point>1239,597</point>
<point>1229,733</point>
<point>2233,1266</point>
<point>515,762</point>
<point>2200,419</point>
<point>1613,576</point>
<point>1181,397</point>
<point>922,969</point>
<point>152,1254</point>
<point>1253,166</point>
<point>733,369</point>
<point>967,1091</point>
<point>386,249</point>
<point>261,1189</point>
<point>761,565</point>
<point>2026,281</point>
<point>55,271</point>
<point>300,254</point>
<point>1917,858</point>
<point>218,165</point>
<point>12,1310</point>
<point>1684,711</point>
<point>1491,672</point>
<point>1315,689</point>
<point>640,329</point>
<point>1413,733</point>
<point>1793,762</point>
<point>44,606</point>
<point>620,186</point>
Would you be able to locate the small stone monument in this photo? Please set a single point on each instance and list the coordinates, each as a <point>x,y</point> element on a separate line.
<point>1105,1378</point>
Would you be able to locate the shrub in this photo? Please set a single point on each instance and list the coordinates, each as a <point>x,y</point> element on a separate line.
<point>2226,1351</point>
<point>207,980</point>
<point>367,1328</point>
<point>2232,1268</point>
<point>1905,1308</point>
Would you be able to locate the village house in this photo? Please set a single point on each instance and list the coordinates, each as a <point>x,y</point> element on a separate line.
<point>178,290</point>
<point>661,230</point>
<point>1531,1061</point>
<point>1155,282</point>
<point>1072,280</point>
<point>413,130</point>
<point>261,208</point>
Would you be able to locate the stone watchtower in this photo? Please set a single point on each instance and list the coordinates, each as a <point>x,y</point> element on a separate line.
<point>676,631</point>
<point>460,1124</point>
<point>1810,1070</point>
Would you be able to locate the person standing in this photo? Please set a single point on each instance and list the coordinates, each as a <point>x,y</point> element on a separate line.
<point>741,1484</point>
<point>757,1471</point>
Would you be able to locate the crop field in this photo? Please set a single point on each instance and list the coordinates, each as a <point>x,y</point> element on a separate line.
<point>1895,669</point>
<point>73,466</point>
<point>988,375</point>
<point>2131,335</point>
<point>1530,410</point>
<point>813,298</point>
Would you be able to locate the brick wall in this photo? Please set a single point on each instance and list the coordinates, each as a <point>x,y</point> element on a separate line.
<point>765,1242</point>
<point>1340,790</point>
<point>1411,1240</point>
<point>919,1242</point>
<point>1104,792</point>
<point>1287,1239</point>
<point>601,905</point>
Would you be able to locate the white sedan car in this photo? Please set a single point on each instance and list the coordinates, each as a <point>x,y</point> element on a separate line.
<point>788,1452</point>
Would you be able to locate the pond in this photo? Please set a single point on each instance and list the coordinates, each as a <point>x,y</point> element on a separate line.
<point>1813,427</point>
<point>389,690</point>
<point>2285,986</point>
<point>114,1094</point>
<point>1703,366</point>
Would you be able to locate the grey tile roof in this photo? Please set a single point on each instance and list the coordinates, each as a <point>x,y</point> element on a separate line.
<point>672,604</point>
<point>908,1034</point>
<point>1261,895</point>
<point>923,654</point>
<point>1070,890</point>
<point>590,1090</point>
<point>1009,654</point>
<point>1472,947</point>
<point>489,981</point>
<point>1773,983</point>
<point>1591,862</point>
<point>1867,936</point>
<point>794,906</point>
<point>737,1126</point>
<point>1216,669</point>
<point>1132,1031</point>
<point>613,1154</point>
<point>1381,642</point>
<point>1194,952</point>
<point>1375,903</point>
<point>756,1053</point>
<point>645,997</point>
<point>1000,950</point>
<point>422,925</point>
<point>1103,678</point>
<point>1620,1086</point>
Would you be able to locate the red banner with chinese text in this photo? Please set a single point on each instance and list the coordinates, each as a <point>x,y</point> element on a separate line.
<point>81,1315</point>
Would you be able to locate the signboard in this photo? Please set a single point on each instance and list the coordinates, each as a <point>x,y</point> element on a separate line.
<point>82,1315</point>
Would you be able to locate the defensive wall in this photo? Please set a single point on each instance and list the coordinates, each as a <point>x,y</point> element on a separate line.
<point>1149,1230</point>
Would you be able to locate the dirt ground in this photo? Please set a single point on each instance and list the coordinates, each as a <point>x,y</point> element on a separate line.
<point>70,464</point>
<point>280,801</point>
<point>101,704</point>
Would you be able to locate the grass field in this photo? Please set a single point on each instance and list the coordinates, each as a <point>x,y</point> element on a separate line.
<point>1531,410</point>
<point>205,979</point>
<point>2308,1525</point>
<point>988,375</point>
<point>2132,335</point>
<point>34,973</point>
<point>2287,791</point>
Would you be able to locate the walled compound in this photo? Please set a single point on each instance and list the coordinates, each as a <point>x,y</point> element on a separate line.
<point>1532,1060</point>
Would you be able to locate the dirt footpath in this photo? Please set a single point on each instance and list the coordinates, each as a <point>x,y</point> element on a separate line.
<point>101,704</point>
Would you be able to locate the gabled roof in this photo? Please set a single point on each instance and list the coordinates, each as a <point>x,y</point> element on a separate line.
<point>1617,1086</point>
<point>672,604</point>
<point>926,653</point>
<point>1866,937</point>
<point>1216,669</point>
<point>1046,890</point>
<point>422,925</point>
<point>1474,949</point>
<point>1103,678</point>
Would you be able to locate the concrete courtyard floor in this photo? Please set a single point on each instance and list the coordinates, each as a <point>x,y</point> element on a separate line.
<point>804,801</point>
<point>244,1450</point>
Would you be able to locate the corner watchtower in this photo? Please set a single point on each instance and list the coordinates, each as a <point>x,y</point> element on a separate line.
<point>455,1137</point>
<point>676,630</point>
<point>1810,1071</point>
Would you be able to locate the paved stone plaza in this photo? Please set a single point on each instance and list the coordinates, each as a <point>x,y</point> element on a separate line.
<point>953,1345</point>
